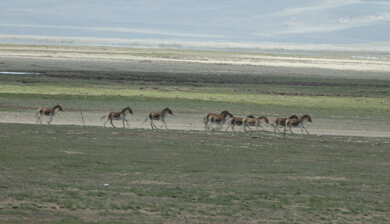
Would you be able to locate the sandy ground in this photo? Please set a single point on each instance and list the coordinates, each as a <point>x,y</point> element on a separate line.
<point>14,58</point>
<point>37,59</point>
<point>195,122</point>
<point>241,59</point>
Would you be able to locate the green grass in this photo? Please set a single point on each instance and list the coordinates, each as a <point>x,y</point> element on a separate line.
<point>361,105</point>
<point>57,172</point>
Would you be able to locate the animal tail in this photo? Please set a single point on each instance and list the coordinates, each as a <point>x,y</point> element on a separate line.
<point>146,119</point>
<point>103,117</point>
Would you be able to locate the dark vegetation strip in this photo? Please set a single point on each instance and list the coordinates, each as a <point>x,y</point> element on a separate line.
<point>202,79</point>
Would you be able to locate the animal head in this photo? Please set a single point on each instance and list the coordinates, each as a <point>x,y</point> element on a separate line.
<point>168,110</point>
<point>307,117</point>
<point>293,117</point>
<point>127,108</point>
<point>264,118</point>
<point>58,106</point>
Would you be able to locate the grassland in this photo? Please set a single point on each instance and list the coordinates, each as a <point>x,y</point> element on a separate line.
<point>72,174</point>
<point>68,174</point>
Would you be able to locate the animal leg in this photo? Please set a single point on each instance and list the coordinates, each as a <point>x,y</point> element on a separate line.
<point>220,127</point>
<point>247,126</point>
<point>127,122</point>
<point>51,118</point>
<point>152,125</point>
<point>112,123</point>
<point>206,127</point>
<point>229,127</point>
<point>39,118</point>
<point>257,126</point>
<point>164,123</point>
<point>209,127</point>
<point>273,125</point>
<point>242,126</point>
<point>38,115</point>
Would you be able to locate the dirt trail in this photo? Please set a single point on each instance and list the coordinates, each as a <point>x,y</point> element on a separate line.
<point>181,122</point>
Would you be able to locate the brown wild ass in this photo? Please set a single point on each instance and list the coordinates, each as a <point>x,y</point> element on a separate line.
<point>158,116</point>
<point>48,112</point>
<point>254,122</point>
<point>297,123</point>
<point>237,121</point>
<point>220,119</point>
<point>281,122</point>
<point>118,116</point>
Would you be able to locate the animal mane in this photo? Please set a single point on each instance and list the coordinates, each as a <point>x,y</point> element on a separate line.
<point>305,116</point>
<point>167,109</point>
<point>127,108</point>
<point>57,106</point>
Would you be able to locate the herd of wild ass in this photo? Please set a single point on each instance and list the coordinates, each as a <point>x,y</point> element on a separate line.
<point>209,119</point>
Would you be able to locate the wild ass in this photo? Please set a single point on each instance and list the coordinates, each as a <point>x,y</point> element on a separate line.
<point>298,123</point>
<point>254,122</point>
<point>281,122</point>
<point>220,119</point>
<point>118,116</point>
<point>48,112</point>
<point>158,116</point>
<point>237,121</point>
